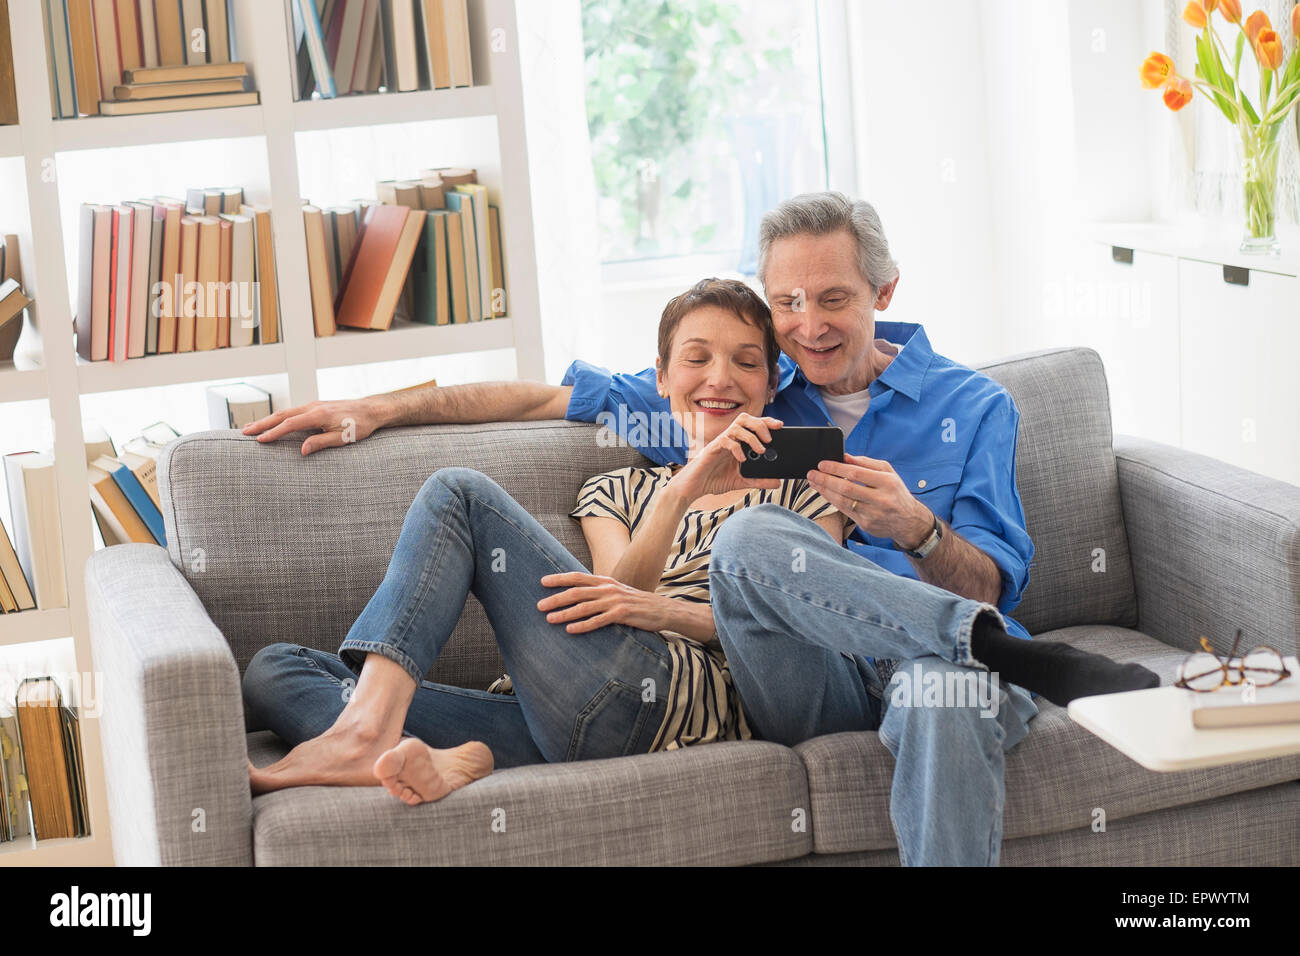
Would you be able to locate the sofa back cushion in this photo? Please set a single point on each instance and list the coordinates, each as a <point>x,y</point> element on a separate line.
<point>1069,486</point>
<point>284,548</point>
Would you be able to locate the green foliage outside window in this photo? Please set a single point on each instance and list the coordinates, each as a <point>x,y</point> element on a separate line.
<point>660,77</point>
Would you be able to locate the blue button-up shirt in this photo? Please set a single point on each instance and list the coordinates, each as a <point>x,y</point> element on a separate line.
<point>948,431</point>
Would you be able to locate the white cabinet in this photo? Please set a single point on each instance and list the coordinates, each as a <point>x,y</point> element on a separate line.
<point>1240,356</point>
<point>1191,358</point>
<point>1135,330</point>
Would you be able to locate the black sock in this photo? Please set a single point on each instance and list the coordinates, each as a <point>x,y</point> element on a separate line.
<point>1057,671</point>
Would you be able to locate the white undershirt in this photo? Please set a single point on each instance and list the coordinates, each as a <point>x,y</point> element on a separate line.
<point>847,410</point>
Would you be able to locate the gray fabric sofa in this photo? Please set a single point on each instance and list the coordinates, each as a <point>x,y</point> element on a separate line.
<point>265,546</point>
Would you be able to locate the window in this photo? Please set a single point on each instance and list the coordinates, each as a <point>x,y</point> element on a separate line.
<point>703,114</point>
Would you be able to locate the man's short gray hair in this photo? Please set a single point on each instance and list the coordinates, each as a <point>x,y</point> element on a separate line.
<point>819,214</point>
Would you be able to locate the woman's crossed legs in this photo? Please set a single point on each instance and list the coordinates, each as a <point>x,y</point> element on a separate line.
<point>576,696</point>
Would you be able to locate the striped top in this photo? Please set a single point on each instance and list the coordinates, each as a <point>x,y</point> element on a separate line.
<point>702,702</point>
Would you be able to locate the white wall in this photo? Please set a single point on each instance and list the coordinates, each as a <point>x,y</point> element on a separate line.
<point>919,94</point>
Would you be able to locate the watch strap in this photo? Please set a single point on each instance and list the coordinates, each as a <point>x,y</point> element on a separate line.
<point>929,544</point>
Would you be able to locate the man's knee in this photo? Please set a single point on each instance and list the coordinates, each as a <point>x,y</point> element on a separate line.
<point>752,534</point>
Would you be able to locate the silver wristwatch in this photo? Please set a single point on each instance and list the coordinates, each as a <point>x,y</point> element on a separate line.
<point>929,544</point>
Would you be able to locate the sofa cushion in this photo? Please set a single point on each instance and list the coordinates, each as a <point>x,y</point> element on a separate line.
<point>1069,486</point>
<point>722,804</point>
<point>1055,777</point>
<point>284,548</point>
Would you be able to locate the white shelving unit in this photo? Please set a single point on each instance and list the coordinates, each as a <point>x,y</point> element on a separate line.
<point>264,40</point>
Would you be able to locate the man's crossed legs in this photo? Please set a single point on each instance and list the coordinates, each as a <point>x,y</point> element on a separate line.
<point>790,606</point>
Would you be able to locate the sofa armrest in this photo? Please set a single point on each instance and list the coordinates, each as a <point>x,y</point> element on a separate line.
<point>1214,547</point>
<point>172,725</point>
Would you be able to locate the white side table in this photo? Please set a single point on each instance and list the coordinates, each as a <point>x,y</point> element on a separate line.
<point>1154,727</point>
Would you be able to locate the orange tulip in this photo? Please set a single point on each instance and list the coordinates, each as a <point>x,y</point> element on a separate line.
<point>1156,71</point>
<point>1268,47</point>
<point>1209,5</point>
<point>1194,14</point>
<point>1178,93</point>
<point>1231,10</point>
<point>1295,21</point>
<point>1254,23</point>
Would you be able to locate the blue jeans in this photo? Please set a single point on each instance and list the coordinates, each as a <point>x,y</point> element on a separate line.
<point>797,615</point>
<point>577,697</point>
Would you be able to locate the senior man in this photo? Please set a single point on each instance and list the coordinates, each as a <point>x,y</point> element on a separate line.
<point>822,639</point>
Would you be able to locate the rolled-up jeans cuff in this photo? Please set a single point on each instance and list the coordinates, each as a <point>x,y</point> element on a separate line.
<point>353,654</point>
<point>962,652</point>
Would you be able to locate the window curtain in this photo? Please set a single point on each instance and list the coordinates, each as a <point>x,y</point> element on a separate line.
<point>561,180</point>
<point>1204,157</point>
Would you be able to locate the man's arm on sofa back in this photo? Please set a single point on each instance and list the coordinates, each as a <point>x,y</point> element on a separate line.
<point>1215,547</point>
<point>342,422</point>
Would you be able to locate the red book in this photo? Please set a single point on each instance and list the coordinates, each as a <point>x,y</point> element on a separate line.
<point>333,32</point>
<point>119,312</point>
<point>378,255</point>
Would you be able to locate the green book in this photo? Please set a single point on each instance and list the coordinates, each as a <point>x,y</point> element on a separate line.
<point>429,272</point>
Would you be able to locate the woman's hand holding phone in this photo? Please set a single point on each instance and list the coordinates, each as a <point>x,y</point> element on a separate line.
<point>716,469</point>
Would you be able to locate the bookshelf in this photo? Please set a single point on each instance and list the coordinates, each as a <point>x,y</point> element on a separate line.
<point>264,36</point>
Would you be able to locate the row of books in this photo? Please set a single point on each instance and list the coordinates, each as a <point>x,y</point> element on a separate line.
<point>42,768</point>
<point>428,251</point>
<point>8,92</point>
<point>161,275</point>
<point>13,300</point>
<point>116,57</point>
<point>357,46</point>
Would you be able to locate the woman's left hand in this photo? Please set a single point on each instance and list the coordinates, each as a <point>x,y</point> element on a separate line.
<point>592,601</point>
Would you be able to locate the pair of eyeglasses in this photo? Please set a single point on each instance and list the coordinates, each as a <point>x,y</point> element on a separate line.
<point>1205,671</point>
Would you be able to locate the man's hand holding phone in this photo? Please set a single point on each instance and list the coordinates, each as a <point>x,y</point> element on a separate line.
<point>872,495</point>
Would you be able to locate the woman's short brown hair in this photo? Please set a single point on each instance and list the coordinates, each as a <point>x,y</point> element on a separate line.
<point>730,294</point>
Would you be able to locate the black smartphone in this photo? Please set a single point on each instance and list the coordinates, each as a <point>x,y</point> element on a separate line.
<point>793,452</point>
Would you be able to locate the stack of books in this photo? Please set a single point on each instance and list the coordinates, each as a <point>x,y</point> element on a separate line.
<point>115,57</point>
<point>12,298</point>
<point>359,46</point>
<point>31,562</point>
<point>54,777</point>
<point>8,94</point>
<point>124,485</point>
<point>161,275</point>
<point>428,250</point>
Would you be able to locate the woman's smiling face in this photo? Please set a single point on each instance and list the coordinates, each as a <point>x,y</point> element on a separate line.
<point>717,368</point>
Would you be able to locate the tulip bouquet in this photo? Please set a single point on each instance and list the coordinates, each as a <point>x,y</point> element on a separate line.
<point>1259,128</point>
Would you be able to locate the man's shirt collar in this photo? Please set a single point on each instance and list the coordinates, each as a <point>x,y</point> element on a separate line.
<point>906,373</point>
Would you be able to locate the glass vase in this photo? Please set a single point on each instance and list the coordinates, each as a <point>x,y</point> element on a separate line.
<point>1259,175</point>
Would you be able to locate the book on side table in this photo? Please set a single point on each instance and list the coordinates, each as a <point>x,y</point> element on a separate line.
<point>1156,728</point>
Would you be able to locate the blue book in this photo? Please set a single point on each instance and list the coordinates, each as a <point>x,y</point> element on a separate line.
<point>139,499</point>
<point>315,37</point>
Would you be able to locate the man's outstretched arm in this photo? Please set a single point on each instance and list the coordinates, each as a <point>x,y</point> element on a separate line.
<point>350,420</point>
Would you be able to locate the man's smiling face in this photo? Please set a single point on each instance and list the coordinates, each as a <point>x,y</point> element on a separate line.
<point>824,310</point>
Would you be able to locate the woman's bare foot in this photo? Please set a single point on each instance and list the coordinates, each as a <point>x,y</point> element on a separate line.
<point>340,757</point>
<point>415,773</point>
